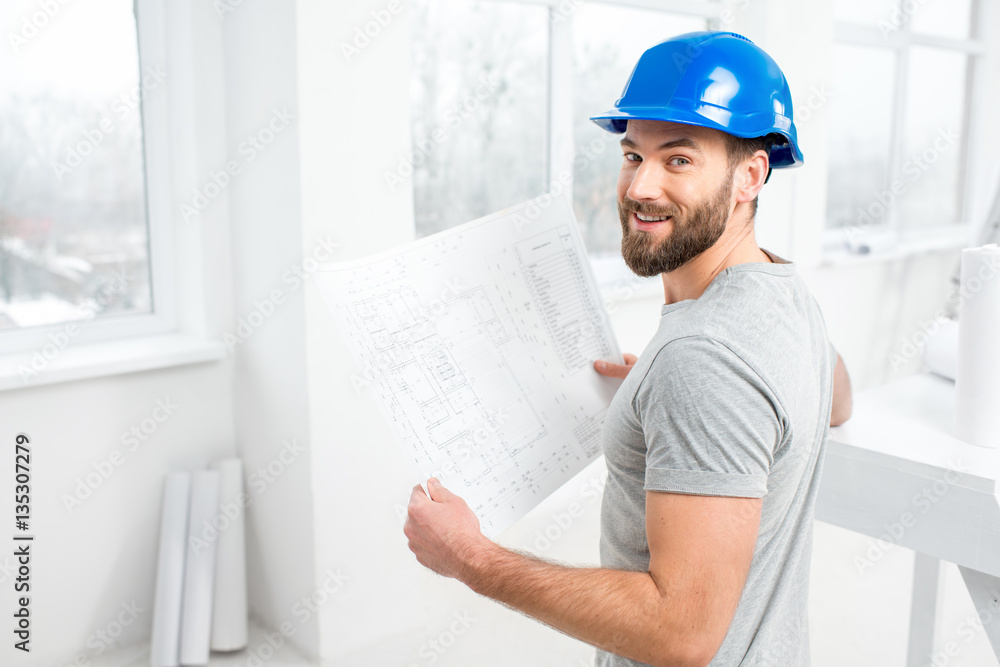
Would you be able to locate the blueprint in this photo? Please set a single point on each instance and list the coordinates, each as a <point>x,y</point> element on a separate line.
<point>478,344</point>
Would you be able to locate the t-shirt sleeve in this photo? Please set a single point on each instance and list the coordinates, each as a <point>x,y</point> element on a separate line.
<point>710,423</point>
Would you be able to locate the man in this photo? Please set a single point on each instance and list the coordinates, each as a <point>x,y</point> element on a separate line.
<point>714,441</point>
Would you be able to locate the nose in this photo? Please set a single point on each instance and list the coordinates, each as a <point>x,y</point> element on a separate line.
<point>646,184</point>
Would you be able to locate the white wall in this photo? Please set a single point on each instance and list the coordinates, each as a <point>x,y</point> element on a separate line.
<point>270,394</point>
<point>355,113</point>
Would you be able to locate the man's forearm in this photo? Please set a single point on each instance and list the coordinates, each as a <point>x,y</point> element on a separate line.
<point>621,612</point>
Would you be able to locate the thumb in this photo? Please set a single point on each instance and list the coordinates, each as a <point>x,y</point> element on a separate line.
<point>615,370</point>
<point>438,492</point>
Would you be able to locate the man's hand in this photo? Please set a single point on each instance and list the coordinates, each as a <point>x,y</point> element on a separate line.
<point>615,370</point>
<point>443,532</point>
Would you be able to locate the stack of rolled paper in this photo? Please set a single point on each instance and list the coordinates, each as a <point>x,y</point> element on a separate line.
<point>201,596</point>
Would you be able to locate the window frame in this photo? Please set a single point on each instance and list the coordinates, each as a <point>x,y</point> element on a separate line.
<point>892,237</point>
<point>151,42</point>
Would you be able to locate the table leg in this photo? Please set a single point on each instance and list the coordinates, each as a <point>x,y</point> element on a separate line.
<point>923,609</point>
<point>985,592</point>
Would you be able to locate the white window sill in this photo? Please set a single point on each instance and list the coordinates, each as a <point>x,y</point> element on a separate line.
<point>879,245</point>
<point>48,366</point>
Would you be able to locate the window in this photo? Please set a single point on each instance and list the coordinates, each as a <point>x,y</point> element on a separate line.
<point>602,62</point>
<point>479,98</point>
<point>899,119</point>
<point>74,239</point>
<point>552,65</point>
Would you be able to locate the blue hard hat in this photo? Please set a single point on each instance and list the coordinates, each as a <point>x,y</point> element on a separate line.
<point>720,80</point>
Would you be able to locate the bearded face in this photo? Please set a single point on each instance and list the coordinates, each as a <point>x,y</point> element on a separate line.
<point>648,254</point>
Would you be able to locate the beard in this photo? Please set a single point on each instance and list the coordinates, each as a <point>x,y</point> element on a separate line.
<point>691,235</point>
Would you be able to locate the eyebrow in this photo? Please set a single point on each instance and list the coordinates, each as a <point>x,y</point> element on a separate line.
<point>683,142</point>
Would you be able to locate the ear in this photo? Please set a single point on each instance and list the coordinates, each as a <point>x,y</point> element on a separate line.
<point>751,177</point>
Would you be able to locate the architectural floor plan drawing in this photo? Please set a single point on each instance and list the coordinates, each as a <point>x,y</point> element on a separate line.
<point>479,343</point>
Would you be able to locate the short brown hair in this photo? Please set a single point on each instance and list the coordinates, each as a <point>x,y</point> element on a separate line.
<point>740,148</point>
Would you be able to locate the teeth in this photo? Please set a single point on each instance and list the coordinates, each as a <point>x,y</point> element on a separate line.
<point>645,218</point>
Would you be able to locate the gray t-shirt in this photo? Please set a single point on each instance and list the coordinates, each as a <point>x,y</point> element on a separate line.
<point>731,397</point>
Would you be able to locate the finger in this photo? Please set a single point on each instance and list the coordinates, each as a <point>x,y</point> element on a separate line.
<point>417,494</point>
<point>630,359</point>
<point>438,492</point>
<point>611,370</point>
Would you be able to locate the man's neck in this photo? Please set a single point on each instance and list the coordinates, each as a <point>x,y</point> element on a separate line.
<point>692,279</point>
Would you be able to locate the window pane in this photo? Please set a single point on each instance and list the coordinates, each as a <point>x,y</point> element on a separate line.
<point>864,11</point>
<point>935,104</point>
<point>860,133</point>
<point>479,109</point>
<point>945,18</point>
<point>73,234</point>
<point>603,62</point>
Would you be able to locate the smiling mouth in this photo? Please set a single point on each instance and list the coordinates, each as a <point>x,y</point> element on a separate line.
<point>649,221</point>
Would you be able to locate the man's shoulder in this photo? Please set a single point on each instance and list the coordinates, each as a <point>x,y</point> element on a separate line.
<point>693,360</point>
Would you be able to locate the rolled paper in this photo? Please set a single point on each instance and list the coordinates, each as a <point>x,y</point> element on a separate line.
<point>165,643</point>
<point>977,386</point>
<point>199,571</point>
<point>229,615</point>
<point>941,350</point>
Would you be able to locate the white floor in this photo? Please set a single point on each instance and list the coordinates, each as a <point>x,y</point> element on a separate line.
<point>862,619</point>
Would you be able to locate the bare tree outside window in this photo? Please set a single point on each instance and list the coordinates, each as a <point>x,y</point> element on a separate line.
<point>480,103</point>
<point>479,110</point>
<point>73,229</point>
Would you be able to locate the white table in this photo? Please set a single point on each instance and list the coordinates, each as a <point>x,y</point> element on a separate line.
<point>895,472</point>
